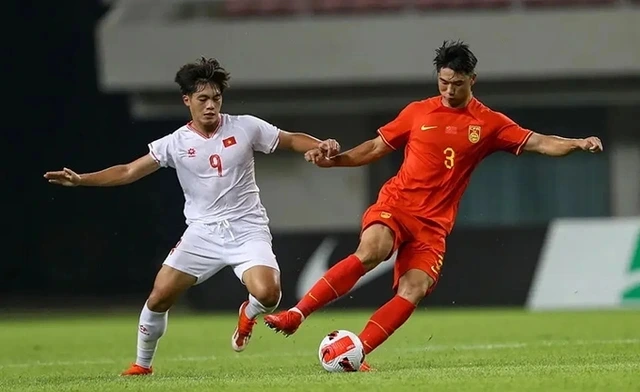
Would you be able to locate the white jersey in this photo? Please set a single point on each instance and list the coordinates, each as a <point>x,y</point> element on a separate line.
<point>217,173</point>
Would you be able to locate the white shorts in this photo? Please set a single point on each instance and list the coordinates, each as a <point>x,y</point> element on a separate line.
<point>205,249</point>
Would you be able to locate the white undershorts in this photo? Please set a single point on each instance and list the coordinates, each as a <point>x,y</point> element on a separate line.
<point>205,249</point>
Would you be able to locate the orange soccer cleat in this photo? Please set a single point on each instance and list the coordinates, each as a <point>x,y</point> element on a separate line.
<point>137,370</point>
<point>286,322</point>
<point>365,367</point>
<point>242,334</point>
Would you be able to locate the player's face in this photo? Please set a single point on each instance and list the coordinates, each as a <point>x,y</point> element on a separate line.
<point>205,105</point>
<point>455,88</point>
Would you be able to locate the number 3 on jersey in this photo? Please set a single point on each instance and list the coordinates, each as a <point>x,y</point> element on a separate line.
<point>216,163</point>
<point>449,157</point>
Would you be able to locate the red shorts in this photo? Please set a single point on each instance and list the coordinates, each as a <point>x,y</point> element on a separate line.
<point>419,245</point>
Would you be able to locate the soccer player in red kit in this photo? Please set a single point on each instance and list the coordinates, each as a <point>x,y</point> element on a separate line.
<point>445,138</point>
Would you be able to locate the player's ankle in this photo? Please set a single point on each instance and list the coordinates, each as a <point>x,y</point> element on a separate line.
<point>143,364</point>
<point>295,309</point>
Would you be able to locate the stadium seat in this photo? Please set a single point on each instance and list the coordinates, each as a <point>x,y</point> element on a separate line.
<point>468,4</point>
<point>359,6</point>
<point>565,3</point>
<point>245,8</point>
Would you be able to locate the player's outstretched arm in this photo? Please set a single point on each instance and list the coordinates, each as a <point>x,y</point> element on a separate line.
<point>556,146</point>
<point>363,154</point>
<point>301,142</point>
<point>113,176</point>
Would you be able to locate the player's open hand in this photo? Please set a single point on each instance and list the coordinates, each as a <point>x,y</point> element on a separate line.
<point>318,157</point>
<point>329,147</point>
<point>65,177</point>
<point>591,144</point>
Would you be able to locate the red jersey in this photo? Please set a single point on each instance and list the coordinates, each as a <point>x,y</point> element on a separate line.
<point>442,148</point>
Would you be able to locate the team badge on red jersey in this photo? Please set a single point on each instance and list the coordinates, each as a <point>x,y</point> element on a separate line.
<point>474,133</point>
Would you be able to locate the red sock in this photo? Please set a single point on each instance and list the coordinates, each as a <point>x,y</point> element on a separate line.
<point>385,321</point>
<point>334,284</point>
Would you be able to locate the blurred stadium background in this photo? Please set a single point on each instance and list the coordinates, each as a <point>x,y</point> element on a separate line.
<point>89,83</point>
<point>95,85</point>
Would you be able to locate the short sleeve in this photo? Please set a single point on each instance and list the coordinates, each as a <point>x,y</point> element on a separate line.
<point>396,133</point>
<point>509,137</point>
<point>163,151</point>
<point>263,135</point>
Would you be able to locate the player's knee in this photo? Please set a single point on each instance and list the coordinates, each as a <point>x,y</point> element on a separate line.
<point>371,254</point>
<point>414,285</point>
<point>267,295</point>
<point>266,291</point>
<point>160,300</point>
<point>375,246</point>
<point>413,293</point>
<point>263,283</point>
<point>168,286</point>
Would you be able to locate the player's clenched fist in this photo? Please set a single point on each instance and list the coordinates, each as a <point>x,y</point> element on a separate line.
<point>319,158</point>
<point>65,177</point>
<point>329,147</point>
<point>591,144</point>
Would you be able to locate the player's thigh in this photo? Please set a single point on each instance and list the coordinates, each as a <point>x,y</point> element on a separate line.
<point>382,233</point>
<point>416,270</point>
<point>199,253</point>
<point>255,264</point>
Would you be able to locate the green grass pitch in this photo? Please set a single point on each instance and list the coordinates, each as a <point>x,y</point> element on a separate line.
<point>462,350</point>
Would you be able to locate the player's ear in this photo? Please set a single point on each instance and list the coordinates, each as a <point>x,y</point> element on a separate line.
<point>185,99</point>
<point>473,79</point>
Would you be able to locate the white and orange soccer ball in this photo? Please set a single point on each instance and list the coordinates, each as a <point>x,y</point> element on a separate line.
<point>341,351</point>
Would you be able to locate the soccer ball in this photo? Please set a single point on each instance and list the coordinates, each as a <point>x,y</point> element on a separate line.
<point>341,351</point>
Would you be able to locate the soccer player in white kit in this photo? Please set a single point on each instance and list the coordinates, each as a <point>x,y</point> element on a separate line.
<point>227,224</point>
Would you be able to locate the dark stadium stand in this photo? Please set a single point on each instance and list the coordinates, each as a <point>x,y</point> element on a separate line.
<point>332,6</point>
<point>566,3</point>
<point>461,4</point>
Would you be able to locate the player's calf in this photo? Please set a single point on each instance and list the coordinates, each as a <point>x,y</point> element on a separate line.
<point>264,288</point>
<point>152,326</point>
<point>168,286</point>
<point>414,285</point>
<point>375,246</point>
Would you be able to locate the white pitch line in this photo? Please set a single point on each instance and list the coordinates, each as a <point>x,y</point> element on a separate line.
<point>463,347</point>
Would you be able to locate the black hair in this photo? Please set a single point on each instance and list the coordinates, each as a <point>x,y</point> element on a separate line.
<point>191,77</point>
<point>456,56</point>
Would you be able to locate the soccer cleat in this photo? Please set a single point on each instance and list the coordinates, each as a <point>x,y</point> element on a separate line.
<point>137,370</point>
<point>364,367</point>
<point>242,334</point>
<point>286,322</point>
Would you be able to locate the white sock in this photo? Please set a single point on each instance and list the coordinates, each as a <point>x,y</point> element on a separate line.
<point>152,326</point>
<point>294,309</point>
<point>255,307</point>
